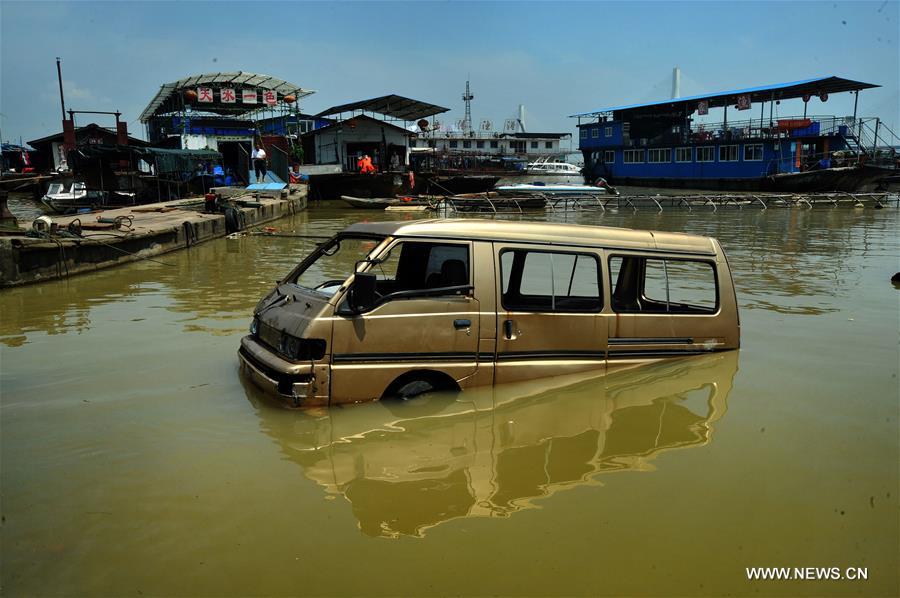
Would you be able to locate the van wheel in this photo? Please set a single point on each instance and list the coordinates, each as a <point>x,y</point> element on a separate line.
<point>417,397</point>
<point>414,388</point>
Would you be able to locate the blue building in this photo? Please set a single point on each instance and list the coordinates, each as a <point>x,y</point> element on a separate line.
<point>673,143</point>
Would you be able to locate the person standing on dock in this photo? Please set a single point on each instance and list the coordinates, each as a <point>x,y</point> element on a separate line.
<point>259,163</point>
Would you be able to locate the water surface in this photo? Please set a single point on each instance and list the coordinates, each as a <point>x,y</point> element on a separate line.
<point>136,461</point>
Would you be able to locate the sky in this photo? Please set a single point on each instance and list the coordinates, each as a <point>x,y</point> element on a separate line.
<point>555,58</point>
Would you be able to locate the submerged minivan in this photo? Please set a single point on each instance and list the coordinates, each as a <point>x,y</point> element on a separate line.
<point>387,309</point>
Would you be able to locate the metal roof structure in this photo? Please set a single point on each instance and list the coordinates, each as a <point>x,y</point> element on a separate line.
<point>394,106</point>
<point>168,98</point>
<point>538,232</point>
<point>358,117</point>
<point>778,91</point>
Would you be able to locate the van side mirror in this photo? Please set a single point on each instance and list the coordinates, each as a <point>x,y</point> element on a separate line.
<point>362,296</point>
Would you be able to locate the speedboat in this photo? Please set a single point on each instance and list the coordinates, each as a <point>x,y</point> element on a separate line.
<point>601,188</point>
<point>552,169</point>
<point>78,196</point>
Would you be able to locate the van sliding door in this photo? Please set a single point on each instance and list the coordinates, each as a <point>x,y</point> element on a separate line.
<point>548,314</point>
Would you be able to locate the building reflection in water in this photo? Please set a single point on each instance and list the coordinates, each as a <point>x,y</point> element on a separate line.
<point>406,467</point>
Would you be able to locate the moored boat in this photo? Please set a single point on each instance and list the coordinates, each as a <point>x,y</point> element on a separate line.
<point>671,143</point>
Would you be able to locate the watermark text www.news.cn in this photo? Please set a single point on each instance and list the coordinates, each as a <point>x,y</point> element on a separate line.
<point>808,573</point>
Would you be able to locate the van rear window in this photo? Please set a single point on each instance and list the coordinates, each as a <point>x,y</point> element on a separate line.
<point>657,285</point>
<point>550,281</point>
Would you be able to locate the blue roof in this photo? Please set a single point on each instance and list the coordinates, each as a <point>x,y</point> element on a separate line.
<point>794,89</point>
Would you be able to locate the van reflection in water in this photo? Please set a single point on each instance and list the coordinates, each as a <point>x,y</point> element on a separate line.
<point>408,466</point>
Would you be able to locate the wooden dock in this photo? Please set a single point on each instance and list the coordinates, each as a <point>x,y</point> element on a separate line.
<point>88,242</point>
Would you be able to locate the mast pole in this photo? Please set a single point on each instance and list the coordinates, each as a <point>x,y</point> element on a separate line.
<point>62,99</point>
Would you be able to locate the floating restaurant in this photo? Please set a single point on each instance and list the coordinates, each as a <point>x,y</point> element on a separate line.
<point>669,144</point>
<point>229,113</point>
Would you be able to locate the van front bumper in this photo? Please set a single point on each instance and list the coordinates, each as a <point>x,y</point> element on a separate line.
<point>287,381</point>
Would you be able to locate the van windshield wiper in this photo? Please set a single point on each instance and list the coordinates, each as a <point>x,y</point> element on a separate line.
<point>282,298</point>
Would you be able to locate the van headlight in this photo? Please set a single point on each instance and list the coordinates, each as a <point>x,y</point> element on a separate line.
<point>254,326</point>
<point>301,349</point>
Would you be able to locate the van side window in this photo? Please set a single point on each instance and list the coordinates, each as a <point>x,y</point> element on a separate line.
<point>414,265</point>
<point>549,281</point>
<point>657,285</point>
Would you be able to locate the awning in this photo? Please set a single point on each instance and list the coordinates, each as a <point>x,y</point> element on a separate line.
<point>763,93</point>
<point>394,106</point>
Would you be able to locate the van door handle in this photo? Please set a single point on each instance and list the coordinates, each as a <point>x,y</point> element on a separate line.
<point>461,324</point>
<point>508,328</point>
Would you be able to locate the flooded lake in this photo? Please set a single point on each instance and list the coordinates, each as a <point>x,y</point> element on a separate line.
<point>136,461</point>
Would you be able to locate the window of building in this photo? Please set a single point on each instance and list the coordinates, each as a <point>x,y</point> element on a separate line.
<point>728,153</point>
<point>595,132</point>
<point>607,132</point>
<point>453,143</point>
<point>583,133</point>
<point>548,145</point>
<point>609,156</point>
<point>706,154</point>
<point>753,152</point>
<point>660,155</point>
<point>467,144</point>
<point>534,145</point>
<point>682,154</point>
<point>479,144</point>
<point>634,156</point>
<point>494,145</point>
<point>658,285</point>
<point>550,281</point>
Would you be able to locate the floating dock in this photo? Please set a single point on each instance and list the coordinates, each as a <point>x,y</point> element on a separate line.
<point>714,201</point>
<point>88,242</point>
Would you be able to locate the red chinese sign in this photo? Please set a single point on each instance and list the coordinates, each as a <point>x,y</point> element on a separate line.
<point>248,96</point>
<point>703,107</point>
<point>743,101</point>
<point>227,95</point>
<point>204,94</point>
<point>269,97</point>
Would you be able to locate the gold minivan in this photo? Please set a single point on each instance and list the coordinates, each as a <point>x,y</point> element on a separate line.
<point>388,309</point>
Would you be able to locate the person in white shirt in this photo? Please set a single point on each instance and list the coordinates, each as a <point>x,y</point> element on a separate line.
<point>259,164</point>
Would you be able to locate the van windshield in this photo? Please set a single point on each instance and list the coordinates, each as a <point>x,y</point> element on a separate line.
<point>333,264</point>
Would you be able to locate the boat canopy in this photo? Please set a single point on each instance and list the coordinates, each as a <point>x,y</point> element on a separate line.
<point>394,106</point>
<point>763,93</point>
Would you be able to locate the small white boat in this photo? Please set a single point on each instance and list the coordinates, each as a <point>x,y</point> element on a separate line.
<point>552,169</point>
<point>78,196</point>
<point>602,188</point>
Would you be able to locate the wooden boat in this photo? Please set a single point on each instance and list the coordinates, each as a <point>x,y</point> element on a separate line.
<point>370,203</point>
<point>381,203</point>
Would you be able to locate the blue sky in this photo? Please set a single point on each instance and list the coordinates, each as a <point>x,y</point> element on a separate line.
<point>556,59</point>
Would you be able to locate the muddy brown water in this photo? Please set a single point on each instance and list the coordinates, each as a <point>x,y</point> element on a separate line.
<point>136,461</point>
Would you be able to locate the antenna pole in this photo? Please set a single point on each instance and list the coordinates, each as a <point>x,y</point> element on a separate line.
<point>467,98</point>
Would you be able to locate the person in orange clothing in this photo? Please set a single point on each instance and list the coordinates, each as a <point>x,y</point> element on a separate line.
<point>367,167</point>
